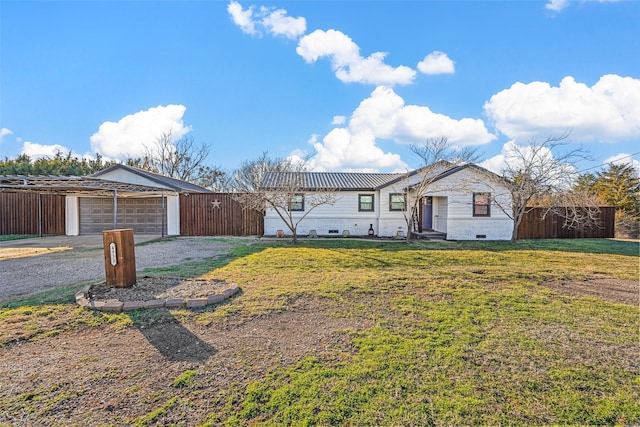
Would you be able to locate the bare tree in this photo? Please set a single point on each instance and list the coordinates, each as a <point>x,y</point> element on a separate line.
<point>249,177</point>
<point>438,156</point>
<point>540,173</point>
<point>182,159</point>
<point>579,210</point>
<point>280,185</point>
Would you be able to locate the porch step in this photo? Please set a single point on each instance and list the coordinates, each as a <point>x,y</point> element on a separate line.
<point>430,235</point>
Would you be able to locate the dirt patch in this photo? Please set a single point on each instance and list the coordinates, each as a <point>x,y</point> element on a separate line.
<point>148,288</point>
<point>99,376</point>
<point>625,291</point>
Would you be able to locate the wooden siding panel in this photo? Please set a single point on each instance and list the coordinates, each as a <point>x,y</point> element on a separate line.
<point>20,213</point>
<point>533,226</point>
<point>217,214</point>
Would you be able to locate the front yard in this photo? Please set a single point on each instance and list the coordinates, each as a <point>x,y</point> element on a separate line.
<point>347,332</point>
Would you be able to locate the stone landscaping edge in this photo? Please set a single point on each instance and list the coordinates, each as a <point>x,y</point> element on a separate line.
<point>117,306</point>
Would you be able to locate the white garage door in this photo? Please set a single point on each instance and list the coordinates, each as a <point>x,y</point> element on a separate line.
<point>143,215</point>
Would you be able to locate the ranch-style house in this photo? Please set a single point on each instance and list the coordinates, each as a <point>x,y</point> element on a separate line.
<point>459,202</point>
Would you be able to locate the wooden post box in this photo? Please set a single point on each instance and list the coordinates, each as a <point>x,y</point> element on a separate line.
<point>119,258</point>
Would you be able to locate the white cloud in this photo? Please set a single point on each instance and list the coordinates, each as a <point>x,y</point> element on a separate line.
<point>608,111</point>
<point>129,136</point>
<point>342,150</point>
<point>273,21</point>
<point>436,63</point>
<point>242,18</point>
<point>624,158</point>
<point>278,23</point>
<point>559,5</point>
<point>4,132</point>
<point>39,151</point>
<point>513,154</point>
<point>384,116</point>
<point>339,120</point>
<point>346,61</point>
<point>495,164</point>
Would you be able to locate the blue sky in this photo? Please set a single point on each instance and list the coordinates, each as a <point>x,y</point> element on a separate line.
<point>349,83</point>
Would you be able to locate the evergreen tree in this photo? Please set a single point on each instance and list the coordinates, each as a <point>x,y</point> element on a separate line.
<point>617,186</point>
<point>58,165</point>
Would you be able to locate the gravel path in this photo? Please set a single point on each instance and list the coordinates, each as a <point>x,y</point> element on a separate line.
<point>25,275</point>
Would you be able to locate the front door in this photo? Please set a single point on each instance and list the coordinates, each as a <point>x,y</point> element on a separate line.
<point>427,213</point>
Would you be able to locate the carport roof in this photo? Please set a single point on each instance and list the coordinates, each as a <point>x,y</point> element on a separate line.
<point>76,185</point>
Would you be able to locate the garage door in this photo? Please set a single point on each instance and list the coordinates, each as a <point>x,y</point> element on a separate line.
<point>143,215</point>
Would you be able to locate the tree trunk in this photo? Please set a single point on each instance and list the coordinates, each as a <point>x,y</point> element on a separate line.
<point>516,224</point>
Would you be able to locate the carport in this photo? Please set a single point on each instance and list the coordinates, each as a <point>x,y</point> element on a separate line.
<point>94,204</point>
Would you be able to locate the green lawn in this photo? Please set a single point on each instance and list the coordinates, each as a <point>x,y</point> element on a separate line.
<point>458,334</point>
<point>462,336</point>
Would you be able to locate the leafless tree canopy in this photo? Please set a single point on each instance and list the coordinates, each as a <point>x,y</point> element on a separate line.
<point>438,155</point>
<point>182,159</point>
<point>438,149</point>
<point>248,178</point>
<point>542,174</point>
<point>277,184</point>
<point>178,159</point>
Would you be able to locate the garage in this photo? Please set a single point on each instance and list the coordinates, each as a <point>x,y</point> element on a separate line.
<point>144,201</point>
<point>144,215</point>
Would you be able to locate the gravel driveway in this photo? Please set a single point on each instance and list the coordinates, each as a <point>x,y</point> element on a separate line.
<point>85,261</point>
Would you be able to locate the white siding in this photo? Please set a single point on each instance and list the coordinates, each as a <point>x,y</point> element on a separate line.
<point>452,210</point>
<point>460,222</point>
<point>330,220</point>
<point>462,225</point>
<point>391,222</point>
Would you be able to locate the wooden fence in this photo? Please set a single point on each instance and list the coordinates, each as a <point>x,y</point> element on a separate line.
<point>217,214</point>
<point>32,213</point>
<point>533,226</point>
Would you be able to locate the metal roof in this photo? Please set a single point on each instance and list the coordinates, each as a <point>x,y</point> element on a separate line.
<point>76,185</point>
<point>164,181</point>
<point>339,181</point>
<point>355,181</point>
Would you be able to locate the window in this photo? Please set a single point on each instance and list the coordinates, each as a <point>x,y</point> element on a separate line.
<point>396,202</point>
<point>365,202</point>
<point>297,202</point>
<point>481,204</point>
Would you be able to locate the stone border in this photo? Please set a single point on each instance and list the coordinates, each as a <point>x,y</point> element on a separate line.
<point>118,306</point>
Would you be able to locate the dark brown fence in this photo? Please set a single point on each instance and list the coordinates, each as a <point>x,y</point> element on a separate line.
<point>217,214</point>
<point>32,213</point>
<point>533,226</point>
